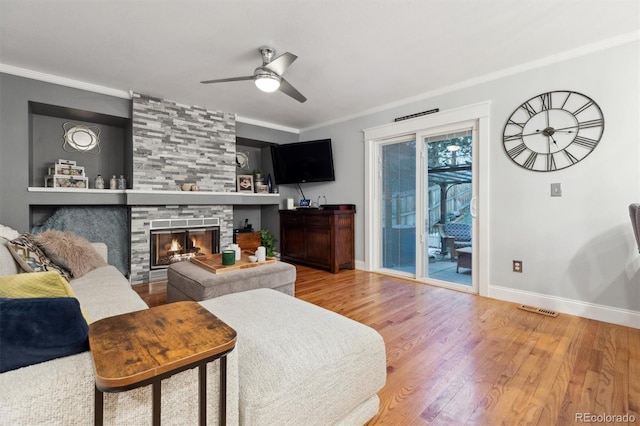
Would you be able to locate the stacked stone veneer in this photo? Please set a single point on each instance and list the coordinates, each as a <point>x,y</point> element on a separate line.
<point>175,144</point>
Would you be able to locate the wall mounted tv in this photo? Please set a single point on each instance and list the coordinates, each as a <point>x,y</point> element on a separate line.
<point>301,162</point>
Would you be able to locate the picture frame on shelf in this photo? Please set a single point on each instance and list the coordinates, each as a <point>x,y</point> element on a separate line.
<point>245,183</point>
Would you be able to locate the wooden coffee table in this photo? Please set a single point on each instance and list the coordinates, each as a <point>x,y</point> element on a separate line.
<point>145,347</point>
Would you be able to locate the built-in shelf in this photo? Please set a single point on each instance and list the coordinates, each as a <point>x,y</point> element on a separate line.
<point>66,197</point>
<point>163,198</point>
<point>132,197</point>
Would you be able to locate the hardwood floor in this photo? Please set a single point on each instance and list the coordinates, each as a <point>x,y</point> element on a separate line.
<point>455,358</point>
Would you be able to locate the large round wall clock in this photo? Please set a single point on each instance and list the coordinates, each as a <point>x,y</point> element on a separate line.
<point>553,131</point>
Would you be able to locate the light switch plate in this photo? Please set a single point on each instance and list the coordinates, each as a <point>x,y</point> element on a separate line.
<point>556,190</point>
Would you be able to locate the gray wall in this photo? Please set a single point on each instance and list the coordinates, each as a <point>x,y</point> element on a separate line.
<point>578,247</point>
<point>15,94</point>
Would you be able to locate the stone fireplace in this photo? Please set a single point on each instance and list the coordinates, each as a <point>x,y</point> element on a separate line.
<point>142,235</point>
<point>175,144</point>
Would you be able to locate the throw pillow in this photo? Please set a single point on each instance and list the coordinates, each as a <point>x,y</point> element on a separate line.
<point>36,284</point>
<point>40,329</point>
<point>70,251</point>
<point>31,258</point>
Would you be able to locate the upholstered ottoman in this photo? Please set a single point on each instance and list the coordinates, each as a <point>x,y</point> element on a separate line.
<point>300,364</point>
<point>187,281</point>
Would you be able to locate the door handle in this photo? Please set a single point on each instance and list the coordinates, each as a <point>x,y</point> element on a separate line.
<point>473,207</point>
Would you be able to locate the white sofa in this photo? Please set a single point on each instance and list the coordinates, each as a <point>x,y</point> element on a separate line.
<point>294,363</point>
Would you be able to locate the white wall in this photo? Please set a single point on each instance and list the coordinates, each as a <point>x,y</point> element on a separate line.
<point>578,250</point>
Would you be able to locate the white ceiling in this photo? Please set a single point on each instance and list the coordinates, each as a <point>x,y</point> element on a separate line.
<point>353,55</point>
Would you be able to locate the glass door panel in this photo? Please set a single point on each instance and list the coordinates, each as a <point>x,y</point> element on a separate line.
<point>398,206</point>
<point>447,205</point>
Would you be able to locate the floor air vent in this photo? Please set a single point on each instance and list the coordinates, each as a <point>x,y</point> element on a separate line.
<point>538,310</point>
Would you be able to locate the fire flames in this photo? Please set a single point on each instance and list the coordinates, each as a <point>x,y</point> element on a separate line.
<point>175,246</point>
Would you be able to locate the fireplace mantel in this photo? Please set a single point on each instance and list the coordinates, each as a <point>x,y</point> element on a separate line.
<point>132,197</point>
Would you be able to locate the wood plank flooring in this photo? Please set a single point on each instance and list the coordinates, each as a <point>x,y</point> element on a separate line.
<point>455,358</point>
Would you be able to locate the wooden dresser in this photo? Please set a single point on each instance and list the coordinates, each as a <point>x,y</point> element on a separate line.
<point>323,238</point>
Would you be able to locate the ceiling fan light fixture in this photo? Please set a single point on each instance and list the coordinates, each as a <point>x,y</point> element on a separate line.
<point>267,83</point>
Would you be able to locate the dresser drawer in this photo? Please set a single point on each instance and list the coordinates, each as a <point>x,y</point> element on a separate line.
<point>317,221</point>
<point>291,219</point>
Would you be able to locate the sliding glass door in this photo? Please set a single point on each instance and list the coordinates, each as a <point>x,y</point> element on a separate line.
<point>424,215</point>
<point>426,206</point>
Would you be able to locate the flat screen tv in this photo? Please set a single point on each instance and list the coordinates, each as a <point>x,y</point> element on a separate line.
<point>301,162</point>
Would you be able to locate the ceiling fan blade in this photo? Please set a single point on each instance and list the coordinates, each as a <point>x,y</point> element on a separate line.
<point>288,89</point>
<point>224,80</point>
<point>280,64</point>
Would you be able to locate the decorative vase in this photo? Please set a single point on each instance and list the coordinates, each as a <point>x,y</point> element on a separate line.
<point>99,182</point>
<point>269,184</point>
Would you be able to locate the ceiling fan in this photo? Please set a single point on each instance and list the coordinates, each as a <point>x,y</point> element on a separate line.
<point>268,76</point>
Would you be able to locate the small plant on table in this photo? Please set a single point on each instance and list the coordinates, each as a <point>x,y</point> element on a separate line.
<point>268,241</point>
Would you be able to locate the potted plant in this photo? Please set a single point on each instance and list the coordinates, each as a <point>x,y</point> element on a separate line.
<point>257,175</point>
<point>268,241</point>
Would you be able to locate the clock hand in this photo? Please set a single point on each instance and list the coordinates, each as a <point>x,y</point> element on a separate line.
<point>563,130</point>
<point>547,115</point>
<point>568,127</point>
<point>533,133</point>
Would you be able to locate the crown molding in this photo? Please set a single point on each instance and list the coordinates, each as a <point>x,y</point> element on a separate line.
<point>247,120</point>
<point>62,81</point>
<point>527,66</point>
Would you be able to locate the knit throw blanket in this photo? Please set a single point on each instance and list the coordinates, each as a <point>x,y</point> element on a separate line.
<point>634,212</point>
<point>109,225</point>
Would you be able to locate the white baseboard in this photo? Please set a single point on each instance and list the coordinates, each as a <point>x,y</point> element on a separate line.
<point>604,313</point>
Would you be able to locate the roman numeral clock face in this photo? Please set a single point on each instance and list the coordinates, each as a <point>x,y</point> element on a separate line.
<point>553,131</point>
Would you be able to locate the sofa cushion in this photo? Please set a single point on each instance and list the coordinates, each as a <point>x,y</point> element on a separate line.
<point>459,231</point>
<point>105,292</point>
<point>40,329</point>
<point>31,258</point>
<point>70,251</point>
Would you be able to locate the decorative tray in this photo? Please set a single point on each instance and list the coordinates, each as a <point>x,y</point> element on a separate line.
<point>213,262</point>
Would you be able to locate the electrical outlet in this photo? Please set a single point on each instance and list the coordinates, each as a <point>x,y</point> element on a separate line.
<point>517,266</point>
<point>556,190</point>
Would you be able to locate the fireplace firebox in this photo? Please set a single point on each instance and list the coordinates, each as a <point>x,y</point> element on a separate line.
<point>175,240</point>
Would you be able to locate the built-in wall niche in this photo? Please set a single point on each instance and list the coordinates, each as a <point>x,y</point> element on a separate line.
<point>258,156</point>
<point>46,143</point>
